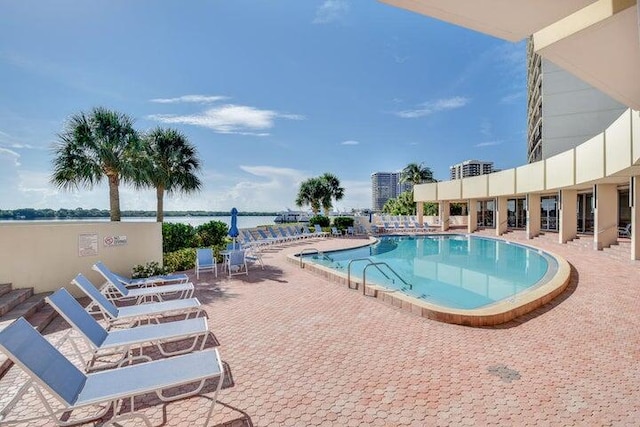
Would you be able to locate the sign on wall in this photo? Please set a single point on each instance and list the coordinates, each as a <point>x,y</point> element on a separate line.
<point>88,244</point>
<point>115,241</point>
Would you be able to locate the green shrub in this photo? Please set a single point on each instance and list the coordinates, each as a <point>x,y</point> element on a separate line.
<point>178,236</point>
<point>180,260</point>
<point>343,222</point>
<point>322,220</point>
<point>149,269</point>
<point>213,233</point>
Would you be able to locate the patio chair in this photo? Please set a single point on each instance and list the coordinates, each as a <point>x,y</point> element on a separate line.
<point>135,314</point>
<point>319,231</point>
<point>625,231</point>
<point>267,239</point>
<point>51,372</point>
<point>205,261</point>
<point>116,291</point>
<point>351,231</point>
<point>123,342</point>
<point>236,263</point>
<point>253,255</point>
<point>153,280</point>
<point>335,232</point>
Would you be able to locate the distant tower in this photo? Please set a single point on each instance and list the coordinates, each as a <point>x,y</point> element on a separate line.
<point>470,168</point>
<point>385,186</point>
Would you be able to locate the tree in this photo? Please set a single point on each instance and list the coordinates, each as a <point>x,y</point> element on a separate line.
<point>401,205</point>
<point>416,174</point>
<point>311,192</point>
<point>173,165</point>
<point>93,146</point>
<point>333,191</point>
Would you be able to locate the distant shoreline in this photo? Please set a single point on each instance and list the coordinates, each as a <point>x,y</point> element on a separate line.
<point>44,214</point>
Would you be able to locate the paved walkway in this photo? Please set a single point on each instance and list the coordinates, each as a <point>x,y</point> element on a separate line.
<point>303,351</point>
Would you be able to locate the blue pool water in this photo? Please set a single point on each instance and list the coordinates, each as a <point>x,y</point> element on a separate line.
<point>455,271</point>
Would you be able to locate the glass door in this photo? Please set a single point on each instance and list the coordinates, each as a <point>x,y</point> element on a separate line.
<point>585,213</point>
<point>549,213</point>
<point>516,214</point>
<point>486,210</point>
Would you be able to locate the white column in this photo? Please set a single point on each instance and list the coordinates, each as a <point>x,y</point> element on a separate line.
<point>472,215</point>
<point>420,212</point>
<point>533,215</point>
<point>568,215</point>
<point>444,215</point>
<point>634,193</point>
<point>605,216</point>
<point>501,215</point>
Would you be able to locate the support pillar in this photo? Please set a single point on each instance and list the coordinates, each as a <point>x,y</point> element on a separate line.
<point>605,216</point>
<point>472,215</point>
<point>568,215</point>
<point>501,216</point>
<point>533,215</point>
<point>443,208</point>
<point>634,194</point>
<point>420,213</point>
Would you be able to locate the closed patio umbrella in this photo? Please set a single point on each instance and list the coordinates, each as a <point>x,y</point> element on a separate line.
<point>233,230</point>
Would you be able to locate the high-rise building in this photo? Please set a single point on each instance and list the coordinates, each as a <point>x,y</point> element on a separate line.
<point>470,168</point>
<point>562,110</point>
<point>385,186</point>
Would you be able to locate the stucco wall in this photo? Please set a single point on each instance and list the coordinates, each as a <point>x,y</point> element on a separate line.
<point>47,256</point>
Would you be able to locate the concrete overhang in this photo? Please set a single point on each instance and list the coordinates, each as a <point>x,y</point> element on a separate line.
<point>511,20</point>
<point>599,44</point>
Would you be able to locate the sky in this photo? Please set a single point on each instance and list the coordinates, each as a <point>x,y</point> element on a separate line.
<point>270,92</point>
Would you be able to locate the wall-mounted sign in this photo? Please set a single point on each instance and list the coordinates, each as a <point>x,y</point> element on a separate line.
<point>87,244</point>
<point>115,240</point>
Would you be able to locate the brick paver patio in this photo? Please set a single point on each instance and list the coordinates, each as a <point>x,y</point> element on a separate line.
<point>303,351</point>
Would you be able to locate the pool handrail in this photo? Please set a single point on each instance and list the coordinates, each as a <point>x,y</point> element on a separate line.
<point>362,259</point>
<point>376,264</point>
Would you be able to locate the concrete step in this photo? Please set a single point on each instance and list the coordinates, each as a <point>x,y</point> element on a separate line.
<point>11,299</point>
<point>35,311</point>
<point>5,288</point>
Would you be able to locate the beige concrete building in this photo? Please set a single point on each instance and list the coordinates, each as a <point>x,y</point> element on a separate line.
<point>592,187</point>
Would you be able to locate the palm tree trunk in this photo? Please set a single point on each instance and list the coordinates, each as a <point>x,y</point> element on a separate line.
<point>114,197</point>
<point>160,199</point>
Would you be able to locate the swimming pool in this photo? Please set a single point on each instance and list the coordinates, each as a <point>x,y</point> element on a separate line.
<point>458,274</point>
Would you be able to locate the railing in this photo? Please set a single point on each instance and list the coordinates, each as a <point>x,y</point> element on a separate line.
<point>311,251</point>
<point>377,264</point>
<point>356,260</point>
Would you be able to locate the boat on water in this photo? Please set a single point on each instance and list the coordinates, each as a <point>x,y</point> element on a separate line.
<point>291,216</point>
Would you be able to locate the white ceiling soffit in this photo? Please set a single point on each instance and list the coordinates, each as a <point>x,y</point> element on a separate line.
<point>511,20</point>
<point>601,45</point>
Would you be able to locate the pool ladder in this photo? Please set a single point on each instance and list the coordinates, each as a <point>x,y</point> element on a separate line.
<point>377,265</point>
<point>311,251</point>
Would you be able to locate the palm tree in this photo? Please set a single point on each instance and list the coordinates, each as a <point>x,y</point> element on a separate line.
<point>312,192</point>
<point>416,174</point>
<point>333,191</point>
<point>173,165</point>
<point>92,146</point>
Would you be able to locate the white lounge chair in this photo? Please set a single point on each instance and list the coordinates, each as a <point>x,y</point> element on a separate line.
<point>135,313</point>
<point>116,291</point>
<point>205,261</point>
<point>625,231</point>
<point>49,371</point>
<point>153,280</point>
<point>123,342</point>
<point>236,263</point>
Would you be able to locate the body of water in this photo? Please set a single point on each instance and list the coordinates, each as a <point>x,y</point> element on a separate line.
<point>243,221</point>
<point>455,271</point>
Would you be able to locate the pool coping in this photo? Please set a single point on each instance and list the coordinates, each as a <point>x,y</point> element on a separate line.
<point>495,314</point>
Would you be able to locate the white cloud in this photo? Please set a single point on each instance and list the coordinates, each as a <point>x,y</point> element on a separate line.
<point>512,98</point>
<point>199,99</point>
<point>431,107</point>
<point>331,11</point>
<point>12,155</point>
<point>487,144</point>
<point>357,195</point>
<point>350,142</point>
<point>230,118</point>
